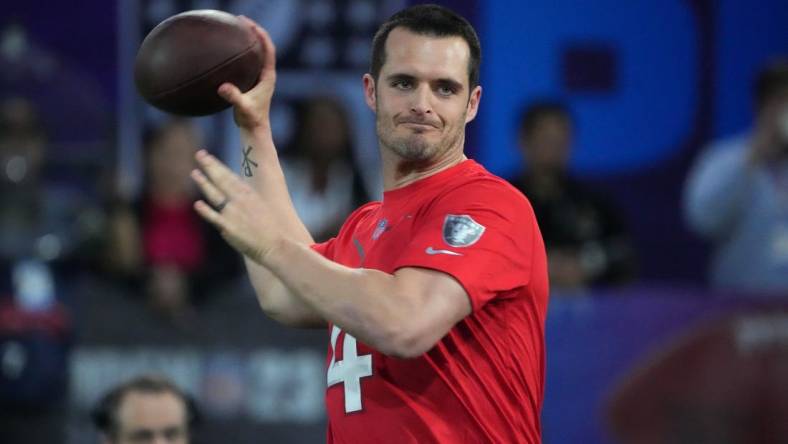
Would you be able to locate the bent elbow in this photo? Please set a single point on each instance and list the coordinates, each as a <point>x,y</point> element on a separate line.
<point>278,315</point>
<point>403,351</point>
<point>411,351</point>
<point>290,317</point>
<point>408,344</point>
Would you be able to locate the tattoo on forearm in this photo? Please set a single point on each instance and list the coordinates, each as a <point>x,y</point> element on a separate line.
<point>248,163</point>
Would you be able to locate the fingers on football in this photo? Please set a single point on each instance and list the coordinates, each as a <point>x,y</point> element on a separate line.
<point>209,190</point>
<point>270,50</point>
<point>219,175</point>
<point>230,93</point>
<point>268,45</point>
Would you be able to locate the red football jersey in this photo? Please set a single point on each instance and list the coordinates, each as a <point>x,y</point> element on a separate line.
<point>484,381</point>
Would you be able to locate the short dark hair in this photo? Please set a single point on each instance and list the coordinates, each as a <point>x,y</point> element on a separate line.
<point>531,115</point>
<point>770,80</point>
<point>428,20</point>
<point>105,414</point>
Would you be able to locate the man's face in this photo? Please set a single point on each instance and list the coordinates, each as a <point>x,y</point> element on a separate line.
<point>422,97</point>
<point>151,418</point>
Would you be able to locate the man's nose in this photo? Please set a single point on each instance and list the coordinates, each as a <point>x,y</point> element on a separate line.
<point>421,101</point>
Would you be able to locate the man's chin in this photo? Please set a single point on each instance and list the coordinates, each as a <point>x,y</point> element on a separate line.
<point>416,152</point>
<point>415,135</point>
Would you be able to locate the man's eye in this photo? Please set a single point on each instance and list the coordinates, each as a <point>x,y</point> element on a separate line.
<point>173,433</point>
<point>446,90</point>
<point>141,436</point>
<point>401,84</point>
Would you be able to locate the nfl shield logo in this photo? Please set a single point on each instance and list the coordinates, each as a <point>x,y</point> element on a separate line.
<point>461,231</point>
<point>383,225</point>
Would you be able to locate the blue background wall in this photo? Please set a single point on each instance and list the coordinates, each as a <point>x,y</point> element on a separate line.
<point>627,118</point>
<point>651,57</point>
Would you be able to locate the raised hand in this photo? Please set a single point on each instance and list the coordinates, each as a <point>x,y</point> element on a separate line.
<point>236,209</point>
<point>251,109</point>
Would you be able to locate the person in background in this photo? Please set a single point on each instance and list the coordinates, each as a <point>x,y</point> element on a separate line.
<point>322,178</point>
<point>736,194</point>
<point>587,243</point>
<point>46,228</point>
<point>145,409</point>
<point>44,214</point>
<point>159,243</point>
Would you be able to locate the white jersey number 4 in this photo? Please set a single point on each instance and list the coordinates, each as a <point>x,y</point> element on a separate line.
<point>349,370</point>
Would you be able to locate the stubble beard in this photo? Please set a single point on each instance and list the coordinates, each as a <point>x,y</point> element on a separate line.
<point>414,148</point>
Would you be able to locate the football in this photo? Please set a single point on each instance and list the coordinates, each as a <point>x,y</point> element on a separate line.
<point>185,58</point>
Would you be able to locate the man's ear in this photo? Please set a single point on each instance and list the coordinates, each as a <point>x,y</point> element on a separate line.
<point>473,103</point>
<point>369,92</point>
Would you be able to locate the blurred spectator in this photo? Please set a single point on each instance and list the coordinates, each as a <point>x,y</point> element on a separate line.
<point>146,409</point>
<point>159,243</point>
<point>70,99</point>
<point>41,216</point>
<point>584,235</point>
<point>324,183</point>
<point>46,227</point>
<point>737,194</point>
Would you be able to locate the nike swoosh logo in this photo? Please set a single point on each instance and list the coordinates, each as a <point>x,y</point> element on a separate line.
<point>431,250</point>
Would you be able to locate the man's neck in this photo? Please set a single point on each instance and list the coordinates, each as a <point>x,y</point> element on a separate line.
<point>398,173</point>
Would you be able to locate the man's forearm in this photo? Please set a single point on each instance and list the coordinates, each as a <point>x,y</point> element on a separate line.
<point>369,304</point>
<point>261,169</point>
<point>278,302</point>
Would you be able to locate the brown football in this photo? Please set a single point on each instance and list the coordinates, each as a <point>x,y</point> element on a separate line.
<point>185,58</point>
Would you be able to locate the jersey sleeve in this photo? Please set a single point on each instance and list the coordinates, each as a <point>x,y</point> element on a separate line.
<point>482,234</point>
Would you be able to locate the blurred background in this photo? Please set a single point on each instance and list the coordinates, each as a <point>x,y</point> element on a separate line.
<point>651,138</point>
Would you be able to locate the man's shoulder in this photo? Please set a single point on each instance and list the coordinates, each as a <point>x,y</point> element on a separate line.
<point>480,184</point>
<point>367,207</point>
<point>480,192</point>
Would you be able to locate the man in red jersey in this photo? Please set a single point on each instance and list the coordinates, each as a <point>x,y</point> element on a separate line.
<point>435,298</point>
